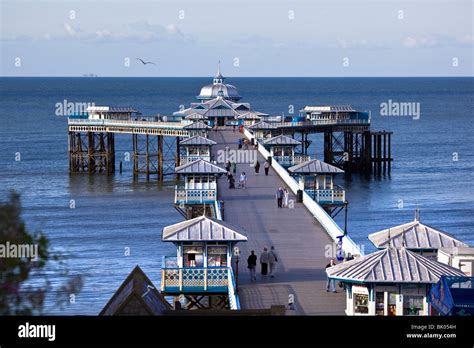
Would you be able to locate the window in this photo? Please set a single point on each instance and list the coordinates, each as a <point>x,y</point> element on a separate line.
<point>361,303</point>
<point>193,256</point>
<point>217,256</point>
<point>412,305</point>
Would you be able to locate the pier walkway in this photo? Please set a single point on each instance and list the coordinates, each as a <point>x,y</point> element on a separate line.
<point>300,242</point>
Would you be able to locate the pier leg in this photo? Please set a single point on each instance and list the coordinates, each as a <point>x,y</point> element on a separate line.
<point>90,153</point>
<point>389,152</point>
<point>328,155</point>
<point>178,154</point>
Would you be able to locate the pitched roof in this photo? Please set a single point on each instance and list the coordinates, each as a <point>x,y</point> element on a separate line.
<point>195,116</point>
<point>136,296</point>
<point>202,228</point>
<point>197,125</point>
<point>315,166</point>
<point>329,108</point>
<point>197,140</point>
<point>282,140</point>
<point>414,235</point>
<point>262,125</point>
<point>199,166</point>
<point>392,265</point>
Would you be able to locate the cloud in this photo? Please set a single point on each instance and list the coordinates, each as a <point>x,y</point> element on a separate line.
<point>420,41</point>
<point>136,32</point>
<point>358,44</point>
<point>429,41</point>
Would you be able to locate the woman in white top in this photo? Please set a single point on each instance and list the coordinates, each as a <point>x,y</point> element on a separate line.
<point>243,180</point>
<point>286,195</point>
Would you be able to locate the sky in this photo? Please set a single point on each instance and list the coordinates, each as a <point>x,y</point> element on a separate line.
<point>250,38</point>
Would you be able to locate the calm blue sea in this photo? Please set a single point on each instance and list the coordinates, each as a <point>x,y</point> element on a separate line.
<point>115,213</point>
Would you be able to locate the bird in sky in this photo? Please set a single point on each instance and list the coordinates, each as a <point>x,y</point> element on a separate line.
<point>145,63</point>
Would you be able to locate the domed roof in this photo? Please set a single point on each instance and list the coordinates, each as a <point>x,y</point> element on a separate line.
<point>219,88</point>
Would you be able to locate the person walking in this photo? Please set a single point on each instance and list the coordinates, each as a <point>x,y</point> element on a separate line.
<point>234,167</point>
<point>257,167</point>
<point>240,143</point>
<point>264,261</point>
<point>252,265</point>
<point>286,196</point>
<point>266,166</point>
<point>227,166</point>
<point>231,182</point>
<point>279,197</point>
<point>233,128</point>
<point>272,261</point>
<point>243,180</point>
<point>331,283</point>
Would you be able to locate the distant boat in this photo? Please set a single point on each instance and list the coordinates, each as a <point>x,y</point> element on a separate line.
<point>90,75</point>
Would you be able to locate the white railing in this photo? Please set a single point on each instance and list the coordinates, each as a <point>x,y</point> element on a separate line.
<point>234,302</point>
<point>329,225</point>
<point>183,195</point>
<point>127,123</point>
<point>323,122</point>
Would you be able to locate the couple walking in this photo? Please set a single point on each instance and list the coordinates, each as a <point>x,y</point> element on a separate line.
<point>268,263</point>
<point>282,196</point>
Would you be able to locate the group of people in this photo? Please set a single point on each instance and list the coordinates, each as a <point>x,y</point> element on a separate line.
<point>268,263</point>
<point>282,197</point>
<point>231,169</point>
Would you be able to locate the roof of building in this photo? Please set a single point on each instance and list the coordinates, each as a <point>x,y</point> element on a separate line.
<point>315,166</point>
<point>136,296</point>
<point>414,235</point>
<point>195,116</point>
<point>392,265</point>
<point>105,109</point>
<point>197,140</point>
<point>197,125</point>
<point>456,251</point>
<point>251,115</point>
<point>219,88</point>
<point>202,228</point>
<point>282,140</point>
<point>199,166</point>
<point>262,125</point>
<point>328,108</point>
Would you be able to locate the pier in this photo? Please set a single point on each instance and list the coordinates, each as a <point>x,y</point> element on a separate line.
<point>299,239</point>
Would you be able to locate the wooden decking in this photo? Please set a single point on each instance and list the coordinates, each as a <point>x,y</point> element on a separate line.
<point>299,240</point>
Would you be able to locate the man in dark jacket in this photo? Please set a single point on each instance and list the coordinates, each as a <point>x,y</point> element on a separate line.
<point>252,265</point>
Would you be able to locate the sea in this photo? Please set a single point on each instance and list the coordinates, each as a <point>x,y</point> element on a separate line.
<point>102,226</point>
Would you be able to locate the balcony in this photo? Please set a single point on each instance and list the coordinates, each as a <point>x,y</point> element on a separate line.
<point>194,279</point>
<point>194,196</point>
<point>288,161</point>
<point>327,196</point>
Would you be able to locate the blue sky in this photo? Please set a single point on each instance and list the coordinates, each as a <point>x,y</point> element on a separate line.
<point>251,38</point>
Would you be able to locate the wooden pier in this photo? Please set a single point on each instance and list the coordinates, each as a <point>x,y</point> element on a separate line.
<point>300,241</point>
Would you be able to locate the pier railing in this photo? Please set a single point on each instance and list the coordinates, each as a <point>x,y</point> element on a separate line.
<point>323,123</point>
<point>195,279</point>
<point>190,196</point>
<point>327,196</point>
<point>126,123</point>
<point>329,225</point>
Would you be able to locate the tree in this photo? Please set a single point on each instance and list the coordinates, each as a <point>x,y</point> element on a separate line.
<point>17,297</point>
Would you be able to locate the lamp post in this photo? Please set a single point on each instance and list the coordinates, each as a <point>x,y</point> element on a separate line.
<point>236,254</point>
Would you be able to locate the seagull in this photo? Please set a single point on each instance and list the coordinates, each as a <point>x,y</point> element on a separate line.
<point>145,63</point>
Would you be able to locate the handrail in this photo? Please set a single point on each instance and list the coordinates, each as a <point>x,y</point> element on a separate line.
<point>234,302</point>
<point>126,123</point>
<point>328,224</point>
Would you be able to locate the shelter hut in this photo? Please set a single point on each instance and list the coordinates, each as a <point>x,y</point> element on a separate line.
<point>316,178</point>
<point>262,130</point>
<point>136,296</point>
<point>198,195</point>
<point>201,271</point>
<point>282,149</point>
<point>389,282</point>
<point>194,148</point>
<point>458,257</point>
<point>415,236</point>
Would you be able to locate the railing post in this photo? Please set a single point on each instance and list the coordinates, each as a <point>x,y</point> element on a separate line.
<point>180,274</point>
<point>163,279</point>
<point>205,279</point>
